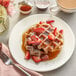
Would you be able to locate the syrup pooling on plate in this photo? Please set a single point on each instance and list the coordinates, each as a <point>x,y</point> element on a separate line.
<point>42,41</point>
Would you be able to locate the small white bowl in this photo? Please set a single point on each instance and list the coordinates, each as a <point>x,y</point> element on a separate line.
<point>25,12</point>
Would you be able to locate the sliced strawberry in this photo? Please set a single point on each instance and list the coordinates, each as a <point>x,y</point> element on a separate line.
<point>27,55</point>
<point>61,31</point>
<point>50,21</point>
<point>55,31</point>
<point>45,25</point>
<point>45,57</point>
<point>34,42</point>
<point>36,59</point>
<point>5,3</point>
<point>37,42</point>
<point>51,37</point>
<point>31,42</point>
<point>41,22</point>
<point>34,38</point>
<point>39,30</point>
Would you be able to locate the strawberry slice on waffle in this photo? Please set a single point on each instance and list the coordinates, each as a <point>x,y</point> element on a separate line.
<point>39,30</point>
<point>36,59</point>
<point>51,37</point>
<point>27,55</point>
<point>50,21</point>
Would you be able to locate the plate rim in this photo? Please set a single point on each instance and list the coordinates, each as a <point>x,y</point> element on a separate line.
<point>50,16</point>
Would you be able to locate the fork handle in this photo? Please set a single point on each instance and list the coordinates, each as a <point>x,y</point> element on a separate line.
<point>22,70</point>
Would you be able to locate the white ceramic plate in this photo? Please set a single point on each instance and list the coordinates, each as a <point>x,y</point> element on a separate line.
<point>15,42</point>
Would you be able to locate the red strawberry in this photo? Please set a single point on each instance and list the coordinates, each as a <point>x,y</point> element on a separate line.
<point>34,42</point>
<point>27,55</point>
<point>0,1</point>
<point>55,31</point>
<point>5,3</point>
<point>41,22</point>
<point>45,25</point>
<point>37,42</point>
<point>39,30</point>
<point>51,37</point>
<point>50,21</point>
<point>34,38</point>
<point>31,42</point>
<point>36,59</point>
<point>61,31</point>
<point>45,57</point>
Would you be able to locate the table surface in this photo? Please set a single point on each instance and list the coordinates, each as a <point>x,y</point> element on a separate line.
<point>69,69</point>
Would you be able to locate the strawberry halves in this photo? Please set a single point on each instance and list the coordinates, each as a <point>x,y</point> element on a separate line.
<point>36,59</point>
<point>34,42</point>
<point>39,30</point>
<point>50,21</point>
<point>55,31</point>
<point>34,38</point>
<point>51,37</point>
<point>61,31</point>
<point>27,55</point>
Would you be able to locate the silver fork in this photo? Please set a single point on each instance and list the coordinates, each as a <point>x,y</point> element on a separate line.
<point>8,61</point>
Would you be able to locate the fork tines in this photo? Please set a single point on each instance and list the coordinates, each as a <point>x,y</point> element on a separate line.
<point>3,56</point>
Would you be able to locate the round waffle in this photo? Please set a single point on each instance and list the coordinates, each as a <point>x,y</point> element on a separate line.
<point>43,41</point>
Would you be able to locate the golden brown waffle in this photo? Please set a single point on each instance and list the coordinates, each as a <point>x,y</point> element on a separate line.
<point>42,42</point>
<point>46,45</point>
